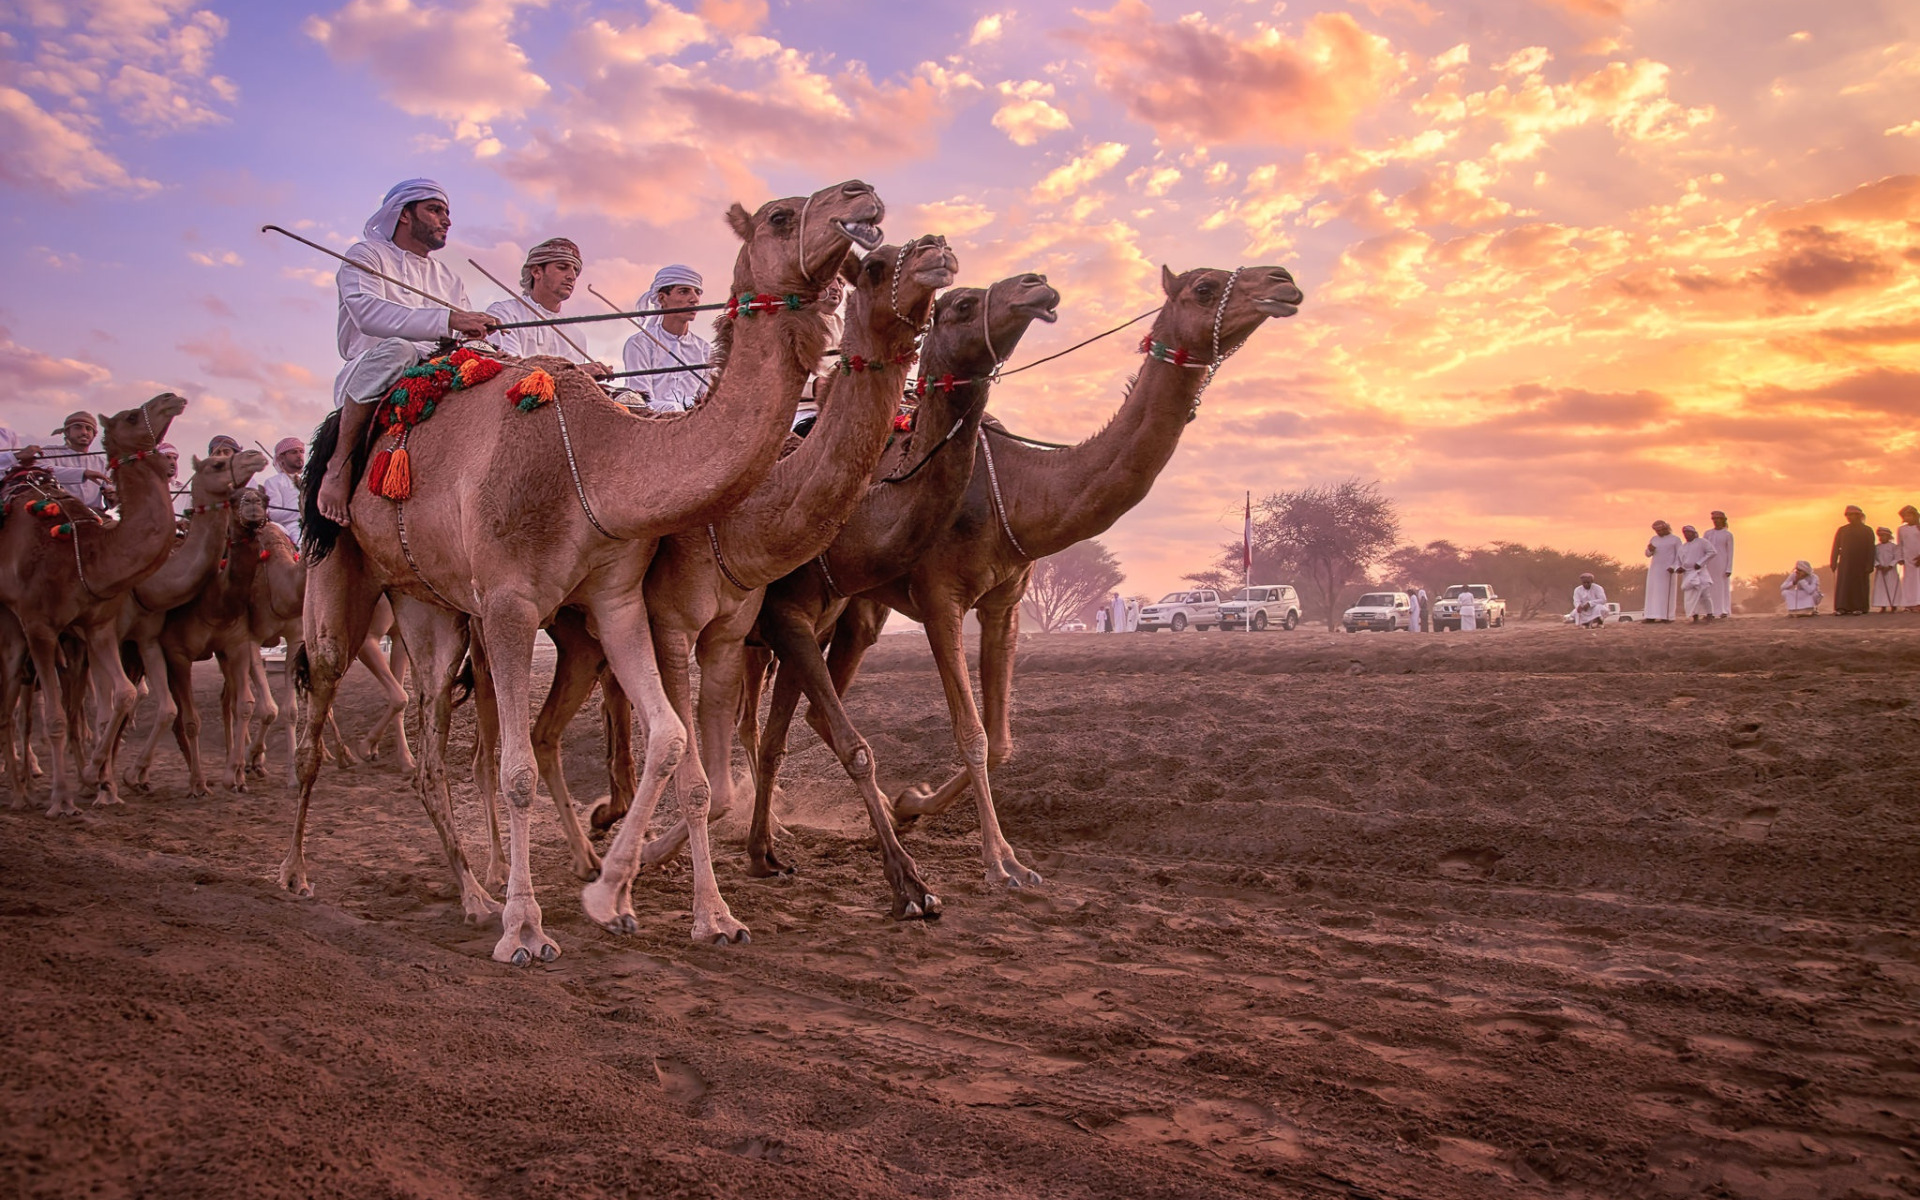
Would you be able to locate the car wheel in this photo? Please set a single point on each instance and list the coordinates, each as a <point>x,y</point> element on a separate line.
<point>1179,622</point>
<point>1292,619</point>
<point>1259,622</point>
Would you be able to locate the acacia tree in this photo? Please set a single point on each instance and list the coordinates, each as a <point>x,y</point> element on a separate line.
<point>1328,535</point>
<point>1065,584</point>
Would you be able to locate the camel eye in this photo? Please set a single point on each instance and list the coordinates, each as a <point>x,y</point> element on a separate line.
<point>781,216</point>
<point>1203,291</point>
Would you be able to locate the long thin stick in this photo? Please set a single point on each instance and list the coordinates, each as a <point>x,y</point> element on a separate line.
<point>648,334</point>
<point>614,316</point>
<point>361,267</point>
<point>522,302</point>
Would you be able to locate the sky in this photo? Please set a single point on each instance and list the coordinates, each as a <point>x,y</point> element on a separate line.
<point>1570,265</point>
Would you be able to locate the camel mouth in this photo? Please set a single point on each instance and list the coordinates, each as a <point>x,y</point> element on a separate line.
<point>935,277</point>
<point>1047,310</point>
<point>1276,308</point>
<point>864,234</point>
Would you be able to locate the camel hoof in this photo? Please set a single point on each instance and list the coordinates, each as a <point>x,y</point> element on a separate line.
<point>911,911</point>
<point>106,799</point>
<point>549,952</point>
<point>62,808</point>
<point>603,817</point>
<point>521,958</point>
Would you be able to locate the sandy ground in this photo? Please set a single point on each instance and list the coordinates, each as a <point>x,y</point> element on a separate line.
<point>1519,913</point>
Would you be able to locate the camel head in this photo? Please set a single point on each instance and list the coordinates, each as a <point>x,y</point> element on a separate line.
<point>140,430</point>
<point>1193,312</point>
<point>976,329</point>
<point>793,246</point>
<point>250,509</point>
<point>216,479</point>
<point>895,284</point>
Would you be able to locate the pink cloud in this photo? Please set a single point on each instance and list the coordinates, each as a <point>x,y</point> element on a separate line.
<point>24,370</point>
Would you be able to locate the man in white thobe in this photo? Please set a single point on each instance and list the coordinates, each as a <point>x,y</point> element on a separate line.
<point>816,387</point>
<point>1469,610</point>
<point>1589,603</point>
<point>1663,574</point>
<point>283,486</point>
<point>1416,604</point>
<point>1117,614</point>
<point>384,329</point>
<point>1886,571</point>
<point>547,280</point>
<point>1907,537</point>
<point>1697,567</point>
<point>1722,540</point>
<point>81,470</point>
<point>1801,590</point>
<point>669,341</point>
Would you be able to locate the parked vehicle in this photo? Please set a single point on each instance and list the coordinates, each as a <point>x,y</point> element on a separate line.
<point>1266,605</point>
<point>1492,610</point>
<point>1384,611</point>
<point>1177,611</point>
<point>1072,627</point>
<point>1613,616</point>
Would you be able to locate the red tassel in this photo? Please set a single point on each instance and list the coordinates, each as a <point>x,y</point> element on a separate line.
<point>377,471</point>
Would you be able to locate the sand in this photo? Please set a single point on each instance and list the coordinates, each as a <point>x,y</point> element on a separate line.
<point>1525,912</point>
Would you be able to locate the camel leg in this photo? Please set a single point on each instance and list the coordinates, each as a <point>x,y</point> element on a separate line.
<point>266,712</point>
<point>486,761</point>
<point>441,638</point>
<point>236,695</point>
<point>333,623</point>
<point>508,625</point>
<point>164,714</point>
<point>757,661</point>
<point>616,729</point>
<point>621,619</point>
<point>576,665</point>
<point>712,920</point>
<point>186,720</point>
<point>722,667</point>
<point>16,702</point>
<point>998,628</point>
<point>117,697</point>
<point>395,694</point>
<point>44,646</point>
<point>799,654</point>
<point>761,859</point>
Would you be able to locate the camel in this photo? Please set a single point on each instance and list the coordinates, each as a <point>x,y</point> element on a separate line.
<point>195,559</point>
<point>63,569</point>
<point>1025,503</point>
<point>704,588</point>
<point>973,332</point>
<point>520,508</point>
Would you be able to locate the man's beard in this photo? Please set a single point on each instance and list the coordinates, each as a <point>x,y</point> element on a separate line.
<point>433,239</point>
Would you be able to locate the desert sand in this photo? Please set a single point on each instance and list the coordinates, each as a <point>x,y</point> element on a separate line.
<point>1526,912</point>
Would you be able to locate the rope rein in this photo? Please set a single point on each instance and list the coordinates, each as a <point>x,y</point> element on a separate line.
<point>720,560</point>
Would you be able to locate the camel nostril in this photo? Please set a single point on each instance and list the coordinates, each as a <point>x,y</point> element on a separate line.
<point>855,187</point>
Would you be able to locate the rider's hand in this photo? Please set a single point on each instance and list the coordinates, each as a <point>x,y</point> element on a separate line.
<point>473,324</point>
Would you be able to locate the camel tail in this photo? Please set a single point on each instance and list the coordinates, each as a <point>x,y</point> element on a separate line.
<point>300,669</point>
<point>463,683</point>
<point>317,533</point>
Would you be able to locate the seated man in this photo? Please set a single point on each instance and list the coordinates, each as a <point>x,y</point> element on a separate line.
<point>669,341</point>
<point>283,486</point>
<point>547,280</point>
<point>1801,590</point>
<point>383,329</point>
<point>81,470</point>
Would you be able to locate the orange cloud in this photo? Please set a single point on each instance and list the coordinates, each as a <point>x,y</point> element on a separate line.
<point>458,63</point>
<point>1191,79</point>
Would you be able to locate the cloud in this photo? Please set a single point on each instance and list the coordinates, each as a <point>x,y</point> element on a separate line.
<point>457,61</point>
<point>40,151</point>
<point>1894,198</point>
<point>27,372</point>
<point>732,16</point>
<point>1024,114</point>
<point>219,258</point>
<point>1191,79</point>
<point>1064,181</point>
<point>953,218</point>
<point>987,29</point>
<point>1816,262</point>
<point>1880,390</point>
<point>663,183</point>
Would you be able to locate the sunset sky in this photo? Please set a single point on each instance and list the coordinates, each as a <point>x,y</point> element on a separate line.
<point>1570,264</point>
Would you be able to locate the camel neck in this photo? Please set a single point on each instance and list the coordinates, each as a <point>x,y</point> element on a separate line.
<point>117,558</point>
<point>646,477</point>
<point>795,514</point>
<point>1055,498</point>
<point>192,562</point>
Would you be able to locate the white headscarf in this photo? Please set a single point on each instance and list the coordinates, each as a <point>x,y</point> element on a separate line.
<point>407,191</point>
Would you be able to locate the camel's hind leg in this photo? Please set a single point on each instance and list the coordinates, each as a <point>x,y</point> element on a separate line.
<point>16,700</point>
<point>390,672</point>
<point>154,660</point>
<point>333,623</point>
<point>999,631</point>
<point>265,715</point>
<point>486,759</point>
<point>576,666</point>
<point>439,637</point>
<point>44,645</point>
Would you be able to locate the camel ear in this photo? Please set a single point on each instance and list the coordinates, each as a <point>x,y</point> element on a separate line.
<point>741,220</point>
<point>1168,280</point>
<point>850,268</point>
<point>103,419</point>
<point>198,462</point>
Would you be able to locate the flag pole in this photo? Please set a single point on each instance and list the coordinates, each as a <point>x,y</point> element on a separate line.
<point>1246,560</point>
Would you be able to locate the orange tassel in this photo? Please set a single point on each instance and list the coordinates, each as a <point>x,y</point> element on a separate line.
<point>534,389</point>
<point>398,485</point>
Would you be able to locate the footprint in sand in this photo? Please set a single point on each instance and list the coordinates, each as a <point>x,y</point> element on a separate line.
<point>1469,862</point>
<point>681,1083</point>
<point>1755,824</point>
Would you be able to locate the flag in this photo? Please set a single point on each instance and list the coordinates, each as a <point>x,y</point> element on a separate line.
<point>1246,553</point>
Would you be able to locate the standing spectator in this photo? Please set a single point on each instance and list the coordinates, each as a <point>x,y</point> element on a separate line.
<point>1852,564</point>
<point>1908,538</point>
<point>1801,590</point>
<point>1886,571</point>
<point>1722,539</point>
<point>1663,574</point>
<point>1426,611</point>
<point>1415,599</point>
<point>283,487</point>
<point>83,471</point>
<point>1697,581</point>
<point>1589,603</point>
<point>1469,609</point>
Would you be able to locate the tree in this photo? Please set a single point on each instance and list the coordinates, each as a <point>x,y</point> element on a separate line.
<point>1760,594</point>
<point>1329,534</point>
<point>1066,584</point>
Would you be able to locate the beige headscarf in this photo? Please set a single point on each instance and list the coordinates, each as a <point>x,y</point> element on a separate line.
<point>553,250</point>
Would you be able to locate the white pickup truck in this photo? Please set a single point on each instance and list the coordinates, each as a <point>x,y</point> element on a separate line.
<point>1199,608</point>
<point>1490,610</point>
<point>1613,616</point>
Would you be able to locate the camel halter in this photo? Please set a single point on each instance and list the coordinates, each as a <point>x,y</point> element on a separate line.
<point>999,502</point>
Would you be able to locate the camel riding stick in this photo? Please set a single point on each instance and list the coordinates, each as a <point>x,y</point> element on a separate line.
<point>644,331</point>
<point>361,267</point>
<point>521,301</point>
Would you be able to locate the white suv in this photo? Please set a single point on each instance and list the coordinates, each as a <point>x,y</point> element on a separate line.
<point>1177,610</point>
<point>1384,611</point>
<point>1266,605</point>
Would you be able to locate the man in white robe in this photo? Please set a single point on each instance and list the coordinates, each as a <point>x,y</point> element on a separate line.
<point>81,470</point>
<point>1589,603</point>
<point>547,280</point>
<point>1469,610</point>
<point>1663,574</point>
<point>283,486</point>
<point>1801,590</point>
<point>1697,574</point>
<point>383,329</point>
<point>669,341</point>
<point>814,390</point>
<point>1907,537</point>
<point>1721,539</point>
<point>1416,605</point>
<point>1886,571</point>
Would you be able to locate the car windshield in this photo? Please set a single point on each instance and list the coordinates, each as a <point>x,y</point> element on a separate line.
<point>1454,592</point>
<point>1376,600</point>
<point>1250,594</point>
<point>1174,598</point>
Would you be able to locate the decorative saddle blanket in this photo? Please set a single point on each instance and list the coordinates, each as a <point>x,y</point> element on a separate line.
<point>418,395</point>
<point>41,494</point>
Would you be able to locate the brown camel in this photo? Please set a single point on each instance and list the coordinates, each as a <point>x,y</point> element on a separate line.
<point>973,333</point>
<point>76,579</point>
<point>188,570</point>
<point>704,588</point>
<point>1026,503</point>
<point>514,514</point>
